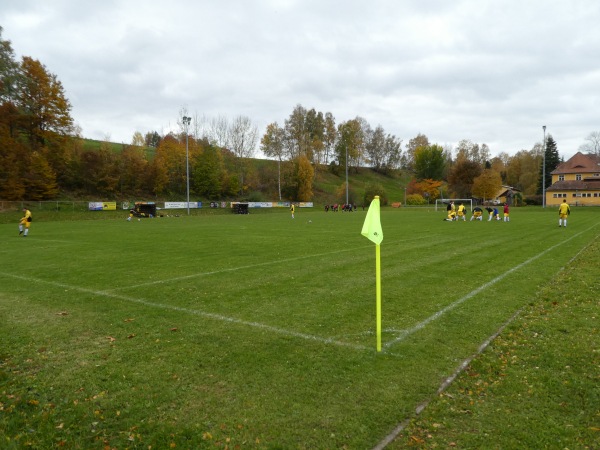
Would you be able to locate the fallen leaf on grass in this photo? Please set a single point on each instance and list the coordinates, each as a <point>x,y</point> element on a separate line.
<point>128,320</point>
<point>131,336</point>
<point>62,313</point>
<point>174,329</point>
<point>110,338</point>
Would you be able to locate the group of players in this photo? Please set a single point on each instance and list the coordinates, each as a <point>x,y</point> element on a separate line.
<point>460,213</point>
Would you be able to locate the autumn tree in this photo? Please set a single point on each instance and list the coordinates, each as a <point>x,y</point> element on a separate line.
<point>13,161</point>
<point>428,188</point>
<point>522,170</point>
<point>42,102</point>
<point>170,167</point>
<point>304,179</point>
<point>461,176</point>
<point>40,181</point>
<point>487,184</point>
<point>408,160</point>
<point>132,168</point>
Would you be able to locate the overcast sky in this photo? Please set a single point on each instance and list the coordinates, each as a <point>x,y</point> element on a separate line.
<point>492,72</point>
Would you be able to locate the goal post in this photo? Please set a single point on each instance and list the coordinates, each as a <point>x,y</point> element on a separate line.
<point>442,203</point>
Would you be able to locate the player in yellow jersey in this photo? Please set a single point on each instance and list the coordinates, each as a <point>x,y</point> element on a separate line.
<point>563,213</point>
<point>462,212</point>
<point>25,223</point>
<point>477,214</point>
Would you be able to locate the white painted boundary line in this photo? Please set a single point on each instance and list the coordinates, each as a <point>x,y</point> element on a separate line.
<point>230,269</point>
<point>473,293</point>
<point>207,315</point>
<point>234,269</point>
<point>462,366</point>
<point>406,333</point>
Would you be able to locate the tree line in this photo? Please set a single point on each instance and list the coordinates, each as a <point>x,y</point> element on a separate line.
<point>43,155</point>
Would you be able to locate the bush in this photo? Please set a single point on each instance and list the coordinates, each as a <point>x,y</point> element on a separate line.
<point>373,189</point>
<point>415,200</point>
<point>256,196</point>
<point>532,200</point>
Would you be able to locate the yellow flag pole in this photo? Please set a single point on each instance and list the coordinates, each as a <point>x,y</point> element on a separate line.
<point>372,230</point>
<point>378,292</point>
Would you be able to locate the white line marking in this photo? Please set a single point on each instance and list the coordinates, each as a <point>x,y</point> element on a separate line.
<point>462,366</point>
<point>207,315</point>
<point>231,269</point>
<point>250,266</point>
<point>473,293</point>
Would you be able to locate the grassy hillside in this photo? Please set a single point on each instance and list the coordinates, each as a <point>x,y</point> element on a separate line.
<point>328,187</point>
<point>328,184</point>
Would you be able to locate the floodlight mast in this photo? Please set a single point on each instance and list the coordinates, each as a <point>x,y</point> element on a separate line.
<point>544,171</point>
<point>186,123</point>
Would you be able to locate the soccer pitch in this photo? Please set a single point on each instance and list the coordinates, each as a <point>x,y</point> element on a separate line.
<point>255,330</point>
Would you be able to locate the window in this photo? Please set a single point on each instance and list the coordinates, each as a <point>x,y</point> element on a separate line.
<point>561,178</point>
<point>578,177</point>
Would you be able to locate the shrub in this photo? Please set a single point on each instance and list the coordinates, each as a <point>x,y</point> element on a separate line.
<point>415,200</point>
<point>373,189</point>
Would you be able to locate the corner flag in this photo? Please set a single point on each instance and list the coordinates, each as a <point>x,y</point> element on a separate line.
<point>372,231</point>
<point>372,227</point>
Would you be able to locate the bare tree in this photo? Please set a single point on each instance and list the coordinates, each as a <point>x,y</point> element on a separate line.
<point>593,143</point>
<point>242,139</point>
<point>218,133</point>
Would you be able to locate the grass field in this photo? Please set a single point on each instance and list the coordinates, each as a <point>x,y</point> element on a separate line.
<point>258,331</point>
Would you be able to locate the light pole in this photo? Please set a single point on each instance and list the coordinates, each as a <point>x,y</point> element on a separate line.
<point>544,171</point>
<point>346,174</point>
<point>186,123</point>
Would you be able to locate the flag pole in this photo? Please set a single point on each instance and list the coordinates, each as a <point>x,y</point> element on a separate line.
<point>378,293</point>
<point>372,230</point>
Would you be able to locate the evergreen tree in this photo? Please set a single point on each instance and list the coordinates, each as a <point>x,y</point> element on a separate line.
<point>552,160</point>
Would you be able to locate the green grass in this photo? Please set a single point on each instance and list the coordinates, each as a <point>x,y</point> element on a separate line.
<point>257,331</point>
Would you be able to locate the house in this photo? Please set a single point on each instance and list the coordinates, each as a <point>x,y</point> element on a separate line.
<point>505,194</point>
<point>577,180</point>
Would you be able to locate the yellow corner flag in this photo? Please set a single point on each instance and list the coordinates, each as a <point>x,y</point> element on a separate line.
<point>372,231</point>
<point>372,226</point>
